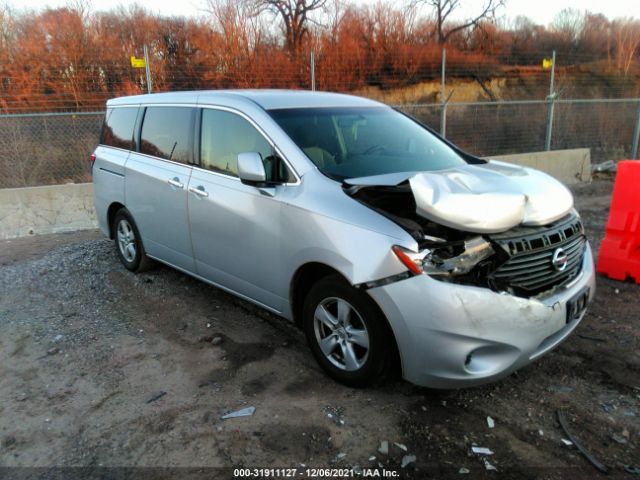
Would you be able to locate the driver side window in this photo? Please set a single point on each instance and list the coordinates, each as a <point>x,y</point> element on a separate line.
<point>224,135</point>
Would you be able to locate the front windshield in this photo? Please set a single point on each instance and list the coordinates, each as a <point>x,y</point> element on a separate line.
<point>363,141</point>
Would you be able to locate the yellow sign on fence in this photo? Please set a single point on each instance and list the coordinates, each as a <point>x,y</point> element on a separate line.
<point>547,63</point>
<point>137,62</point>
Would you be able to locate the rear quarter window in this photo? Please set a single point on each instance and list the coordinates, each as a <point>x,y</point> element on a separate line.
<point>167,133</point>
<point>117,130</point>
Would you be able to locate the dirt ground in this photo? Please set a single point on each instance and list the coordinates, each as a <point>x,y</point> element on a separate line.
<point>103,368</point>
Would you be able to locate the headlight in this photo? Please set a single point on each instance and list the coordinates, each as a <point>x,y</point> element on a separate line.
<point>440,261</point>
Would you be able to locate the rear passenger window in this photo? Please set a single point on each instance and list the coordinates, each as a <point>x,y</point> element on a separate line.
<point>166,133</point>
<point>117,130</point>
<point>224,135</point>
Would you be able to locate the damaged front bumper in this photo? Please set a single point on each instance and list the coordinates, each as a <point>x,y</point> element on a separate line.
<point>452,335</point>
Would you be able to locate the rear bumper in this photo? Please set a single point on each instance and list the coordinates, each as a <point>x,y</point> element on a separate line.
<point>452,336</point>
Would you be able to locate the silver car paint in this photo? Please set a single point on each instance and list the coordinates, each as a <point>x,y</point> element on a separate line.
<point>156,196</point>
<point>236,236</point>
<point>430,317</point>
<point>108,180</point>
<point>488,198</point>
<point>252,243</point>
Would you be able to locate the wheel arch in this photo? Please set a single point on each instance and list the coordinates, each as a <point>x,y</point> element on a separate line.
<point>310,273</point>
<point>111,214</point>
<point>303,279</point>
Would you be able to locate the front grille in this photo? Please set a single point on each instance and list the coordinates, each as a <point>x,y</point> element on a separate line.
<point>528,267</point>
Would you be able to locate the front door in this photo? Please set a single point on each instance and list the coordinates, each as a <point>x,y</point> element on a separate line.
<point>235,229</point>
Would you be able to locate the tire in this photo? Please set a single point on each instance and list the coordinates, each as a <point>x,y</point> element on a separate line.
<point>346,332</point>
<point>129,243</point>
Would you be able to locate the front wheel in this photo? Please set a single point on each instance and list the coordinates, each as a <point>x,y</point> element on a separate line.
<point>129,244</point>
<point>346,332</point>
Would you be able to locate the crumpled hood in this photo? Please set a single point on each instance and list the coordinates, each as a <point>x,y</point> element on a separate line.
<point>485,198</point>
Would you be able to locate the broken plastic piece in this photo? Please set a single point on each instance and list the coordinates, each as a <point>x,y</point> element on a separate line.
<point>618,438</point>
<point>560,389</point>
<point>481,450</point>
<point>245,412</point>
<point>339,457</point>
<point>491,422</point>
<point>475,250</point>
<point>384,447</point>
<point>563,424</point>
<point>407,459</point>
<point>488,466</point>
<point>401,446</point>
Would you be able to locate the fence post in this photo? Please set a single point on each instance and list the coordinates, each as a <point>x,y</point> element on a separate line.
<point>313,71</point>
<point>443,109</point>
<point>552,99</point>
<point>636,136</point>
<point>148,71</point>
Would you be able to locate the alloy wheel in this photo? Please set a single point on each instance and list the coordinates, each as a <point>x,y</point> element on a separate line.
<point>127,240</point>
<point>341,334</point>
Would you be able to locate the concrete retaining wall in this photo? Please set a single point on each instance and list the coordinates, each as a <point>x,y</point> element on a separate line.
<point>50,209</point>
<point>568,166</point>
<point>61,208</point>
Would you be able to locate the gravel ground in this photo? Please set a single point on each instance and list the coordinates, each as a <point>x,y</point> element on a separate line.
<point>103,368</point>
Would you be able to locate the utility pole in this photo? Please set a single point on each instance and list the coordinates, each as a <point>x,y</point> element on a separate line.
<point>636,136</point>
<point>313,71</point>
<point>552,100</point>
<point>148,71</point>
<point>443,108</point>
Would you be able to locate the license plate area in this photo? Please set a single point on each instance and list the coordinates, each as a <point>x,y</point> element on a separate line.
<point>577,304</point>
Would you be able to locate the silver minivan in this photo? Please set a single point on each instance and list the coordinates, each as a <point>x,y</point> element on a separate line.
<point>385,243</point>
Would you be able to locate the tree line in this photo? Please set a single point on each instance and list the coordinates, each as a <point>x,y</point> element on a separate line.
<point>73,58</point>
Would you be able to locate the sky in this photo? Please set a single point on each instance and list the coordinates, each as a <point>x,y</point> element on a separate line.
<point>540,11</point>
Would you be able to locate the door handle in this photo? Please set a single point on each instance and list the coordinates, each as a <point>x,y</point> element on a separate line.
<point>175,182</point>
<point>200,191</point>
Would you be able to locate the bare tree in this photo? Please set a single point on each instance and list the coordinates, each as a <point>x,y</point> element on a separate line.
<point>294,15</point>
<point>596,36</point>
<point>567,29</point>
<point>82,7</point>
<point>627,36</point>
<point>443,9</point>
<point>569,22</point>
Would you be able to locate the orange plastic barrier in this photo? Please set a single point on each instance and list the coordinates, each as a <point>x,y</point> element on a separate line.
<point>619,255</point>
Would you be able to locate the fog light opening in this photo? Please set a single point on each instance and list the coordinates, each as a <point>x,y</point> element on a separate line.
<point>477,363</point>
<point>488,359</point>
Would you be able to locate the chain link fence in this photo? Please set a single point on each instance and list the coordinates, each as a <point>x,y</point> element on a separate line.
<point>606,126</point>
<point>47,148</point>
<point>54,148</point>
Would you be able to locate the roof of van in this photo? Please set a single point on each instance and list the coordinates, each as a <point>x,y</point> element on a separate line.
<point>267,99</point>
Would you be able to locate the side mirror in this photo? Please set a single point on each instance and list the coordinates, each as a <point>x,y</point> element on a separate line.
<point>251,169</point>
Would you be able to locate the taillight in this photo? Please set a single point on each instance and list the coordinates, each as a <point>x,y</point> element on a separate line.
<point>92,159</point>
<point>407,261</point>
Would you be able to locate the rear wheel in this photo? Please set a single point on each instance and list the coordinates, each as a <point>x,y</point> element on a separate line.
<point>129,244</point>
<point>346,332</point>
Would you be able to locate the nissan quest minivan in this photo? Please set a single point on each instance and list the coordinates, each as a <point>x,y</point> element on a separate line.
<point>387,244</point>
